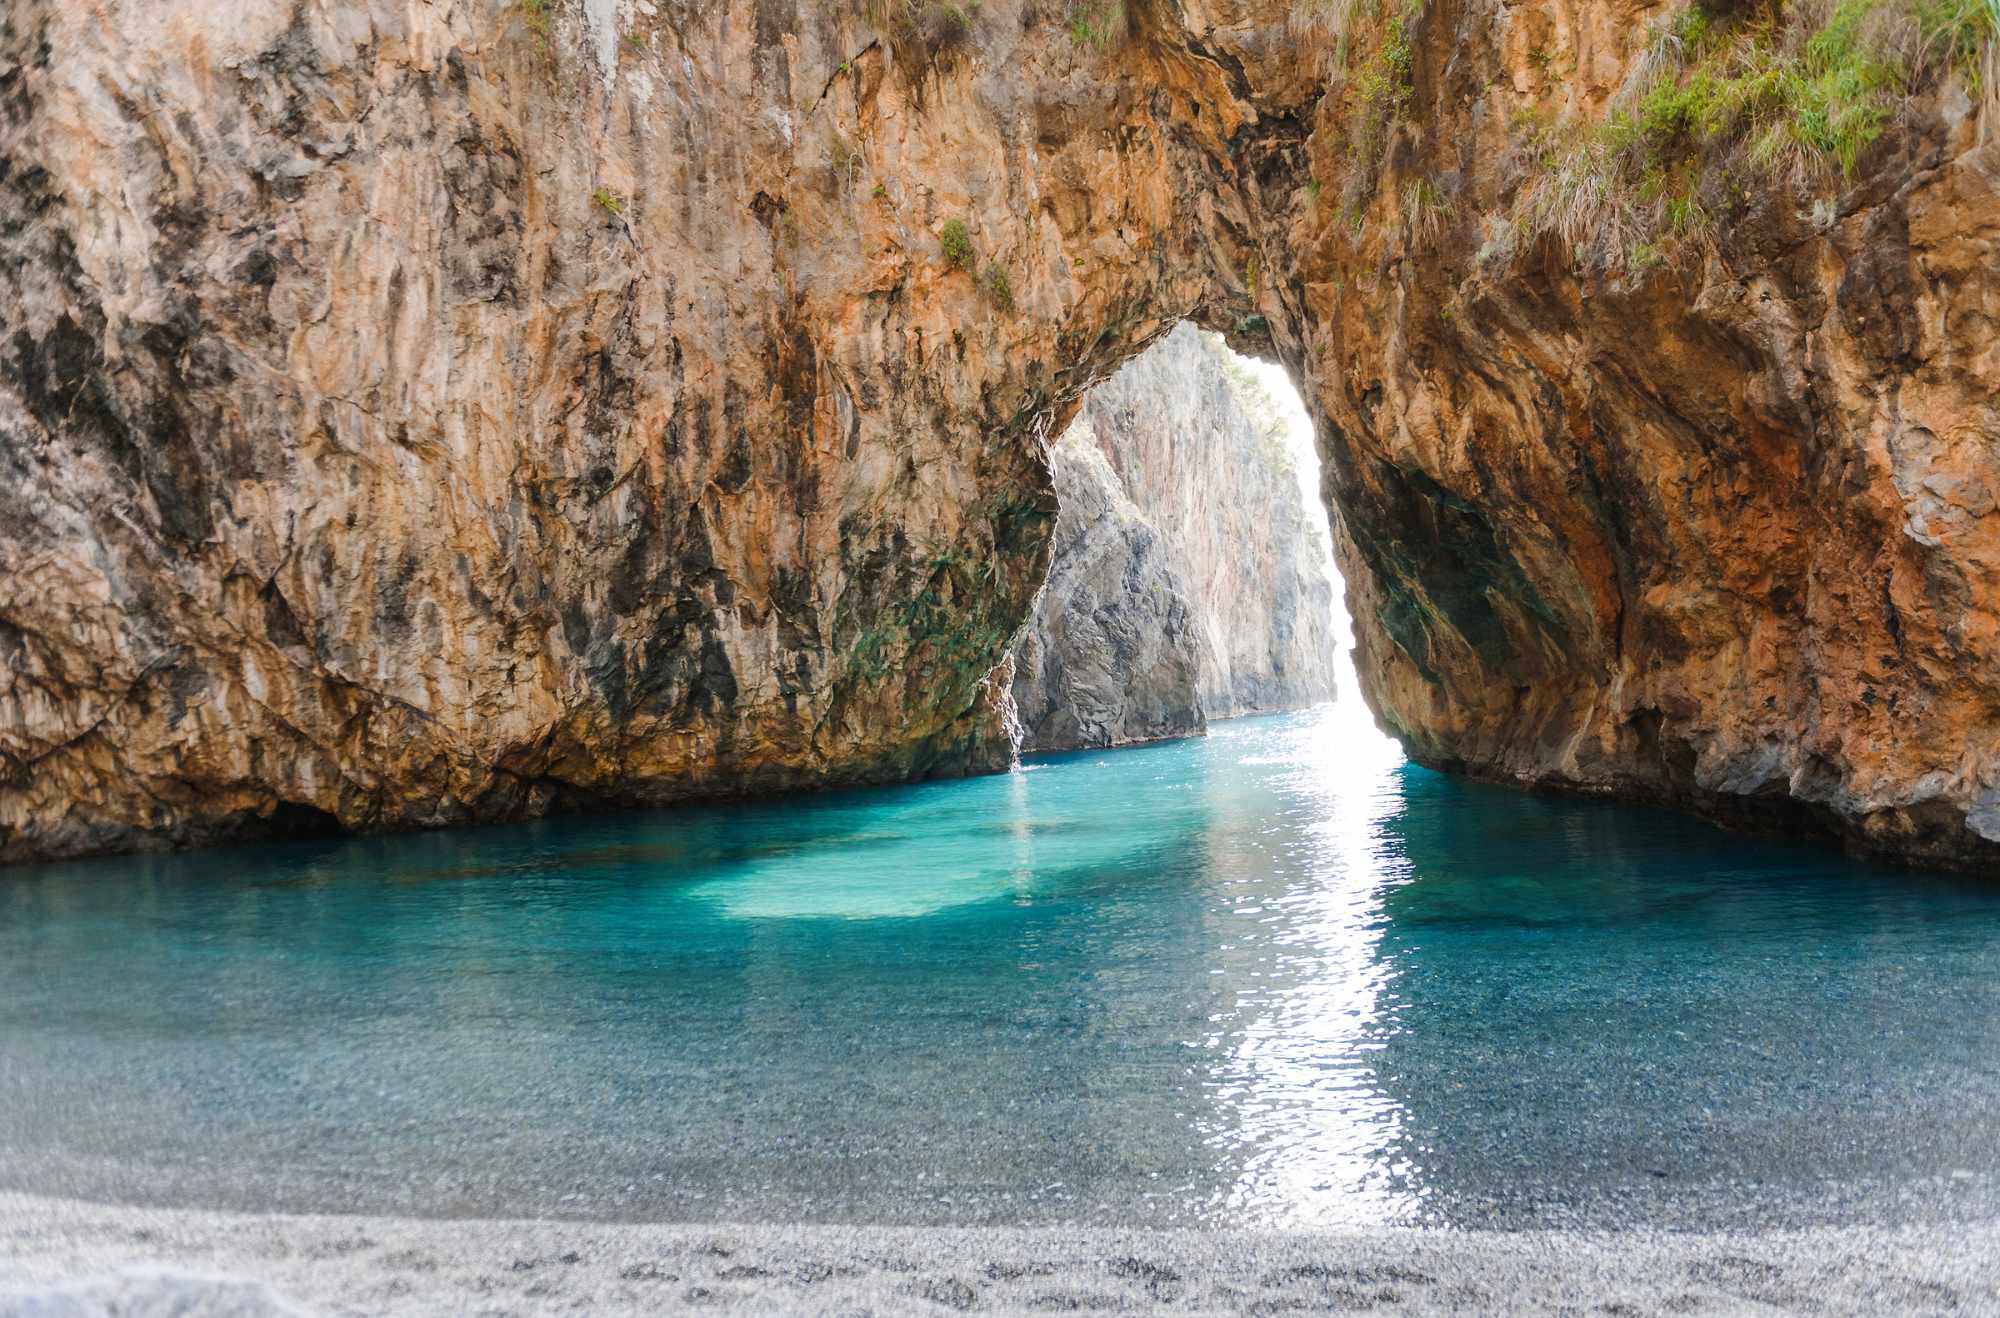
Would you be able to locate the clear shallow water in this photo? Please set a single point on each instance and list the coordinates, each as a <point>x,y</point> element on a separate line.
<point>1271,978</point>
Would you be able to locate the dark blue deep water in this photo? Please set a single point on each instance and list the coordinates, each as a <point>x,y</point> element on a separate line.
<point>1273,977</point>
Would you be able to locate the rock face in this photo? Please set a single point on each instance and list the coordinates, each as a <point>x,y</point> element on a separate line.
<point>414,412</point>
<point>1186,582</point>
<point>1111,655</point>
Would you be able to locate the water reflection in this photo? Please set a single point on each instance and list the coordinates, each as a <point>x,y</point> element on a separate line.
<point>1309,1131</point>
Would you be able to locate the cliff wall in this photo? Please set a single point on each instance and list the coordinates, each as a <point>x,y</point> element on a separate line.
<point>1186,582</point>
<point>417,411</point>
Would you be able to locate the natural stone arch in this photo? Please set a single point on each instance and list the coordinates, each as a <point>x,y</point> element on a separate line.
<point>1190,575</point>
<point>417,416</point>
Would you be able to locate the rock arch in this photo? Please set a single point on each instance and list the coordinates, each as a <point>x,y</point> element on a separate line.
<point>431,412</point>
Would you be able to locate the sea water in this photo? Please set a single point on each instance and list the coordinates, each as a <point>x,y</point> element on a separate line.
<point>1273,977</point>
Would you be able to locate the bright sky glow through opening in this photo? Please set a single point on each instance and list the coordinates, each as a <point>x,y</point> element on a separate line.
<point>1365,748</point>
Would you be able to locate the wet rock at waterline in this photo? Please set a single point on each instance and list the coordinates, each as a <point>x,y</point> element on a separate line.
<point>1186,580</point>
<point>415,414</point>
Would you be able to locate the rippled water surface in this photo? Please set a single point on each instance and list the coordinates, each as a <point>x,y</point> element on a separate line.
<point>1273,977</point>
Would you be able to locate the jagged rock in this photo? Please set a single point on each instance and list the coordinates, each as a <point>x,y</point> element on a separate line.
<point>1111,655</point>
<point>1208,598</point>
<point>416,413</point>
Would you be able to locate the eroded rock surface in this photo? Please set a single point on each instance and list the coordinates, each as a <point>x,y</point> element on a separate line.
<point>416,411</point>
<point>1112,654</point>
<point>1186,582</point>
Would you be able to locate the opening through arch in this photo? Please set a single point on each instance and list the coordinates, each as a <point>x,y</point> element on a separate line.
<point>1191,575</point>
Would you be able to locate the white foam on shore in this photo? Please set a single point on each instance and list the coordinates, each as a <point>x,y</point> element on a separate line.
<point>56,1253</point>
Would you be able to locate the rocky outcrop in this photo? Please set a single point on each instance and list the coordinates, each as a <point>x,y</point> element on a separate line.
<point>1186,582</point>
<point>417,411</point>
<point>1111,655</point>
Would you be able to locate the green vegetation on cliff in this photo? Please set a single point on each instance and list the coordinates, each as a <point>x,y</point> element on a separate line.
<point>1723,103</point>
<point>955,244</point>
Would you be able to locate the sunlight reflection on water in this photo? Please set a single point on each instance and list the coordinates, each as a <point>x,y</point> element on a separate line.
<point>1317,1134</point>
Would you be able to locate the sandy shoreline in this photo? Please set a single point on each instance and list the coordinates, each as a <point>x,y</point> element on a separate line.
<point>62,1257</point>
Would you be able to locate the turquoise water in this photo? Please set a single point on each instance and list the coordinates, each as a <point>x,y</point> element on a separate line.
<point>1273,977</point>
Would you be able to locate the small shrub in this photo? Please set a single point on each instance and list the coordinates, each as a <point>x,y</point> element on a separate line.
<point>999,287</point>
<point>944,24</point>
<point>536,16</point>
<point>1499,235</point>
<point>608,200</point>
<point>1396,50</point>
<point>956,244</point>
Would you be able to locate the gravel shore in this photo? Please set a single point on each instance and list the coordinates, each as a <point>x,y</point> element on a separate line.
<point>62,1257</point>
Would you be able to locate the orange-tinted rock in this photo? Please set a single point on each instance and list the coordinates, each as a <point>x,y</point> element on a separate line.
<point>408,418</point>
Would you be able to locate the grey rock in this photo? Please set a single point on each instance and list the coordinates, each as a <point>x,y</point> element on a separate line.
<point>1187,581</point>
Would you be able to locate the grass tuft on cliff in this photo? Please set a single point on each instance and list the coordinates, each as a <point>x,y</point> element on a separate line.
<point>1094,22</point>
<point>1382,89</point>
<point>925,33</point>
<point>1722,104</point>
<point>538,17</point>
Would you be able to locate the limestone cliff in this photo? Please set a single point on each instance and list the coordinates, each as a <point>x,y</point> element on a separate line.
<point>1112,654</point>
<point>1186,582</point>
<point>415,411</point>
